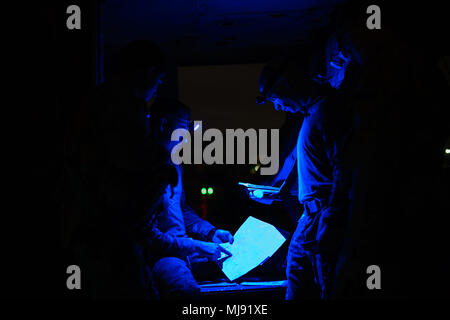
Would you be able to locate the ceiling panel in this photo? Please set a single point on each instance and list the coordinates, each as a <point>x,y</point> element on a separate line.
<point>215,31</point>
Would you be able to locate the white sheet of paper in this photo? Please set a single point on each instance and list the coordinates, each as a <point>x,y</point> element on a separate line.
<point>254,242</point>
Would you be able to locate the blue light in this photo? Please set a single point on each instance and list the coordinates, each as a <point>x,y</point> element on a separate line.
<point>148,116</point>
<point>258,194</point>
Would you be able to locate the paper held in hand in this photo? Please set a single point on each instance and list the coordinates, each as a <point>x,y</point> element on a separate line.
<point>254,242</point>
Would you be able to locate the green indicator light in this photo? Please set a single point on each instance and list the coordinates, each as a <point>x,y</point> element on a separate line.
<point>210,190</point>
<point>203,190</point>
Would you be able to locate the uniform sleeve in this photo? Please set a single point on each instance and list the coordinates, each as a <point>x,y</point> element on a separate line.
<point>195,226</point>
<point>288,141</point>
<point>164,244</point>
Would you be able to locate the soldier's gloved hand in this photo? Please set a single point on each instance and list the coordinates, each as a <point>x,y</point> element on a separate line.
<point>221,236</point>
<point>210,250</point>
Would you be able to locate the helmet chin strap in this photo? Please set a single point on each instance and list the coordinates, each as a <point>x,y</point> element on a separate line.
<point>321,79</point>
<point>305,107</point>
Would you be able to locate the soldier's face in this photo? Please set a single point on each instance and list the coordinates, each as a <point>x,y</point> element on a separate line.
<point>284,100</point>
<point>149,85</point>
<point>281,104</point>
<point>283,96</point>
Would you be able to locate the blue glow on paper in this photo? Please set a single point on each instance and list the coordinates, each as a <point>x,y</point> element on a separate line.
<point>254,242</point>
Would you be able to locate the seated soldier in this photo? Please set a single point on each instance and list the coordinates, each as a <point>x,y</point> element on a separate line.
<point>178,239</point>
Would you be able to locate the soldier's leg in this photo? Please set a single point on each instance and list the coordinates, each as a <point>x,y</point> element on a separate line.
<point>174,280</point>
<point>330,238</point>
<point>299,271</point>
<point>325,266</point>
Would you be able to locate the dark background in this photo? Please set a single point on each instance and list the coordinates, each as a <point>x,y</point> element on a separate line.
<point>218,49</point>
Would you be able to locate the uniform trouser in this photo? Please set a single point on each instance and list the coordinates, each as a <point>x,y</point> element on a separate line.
<point>313,254</point>
<point>175,279</point>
